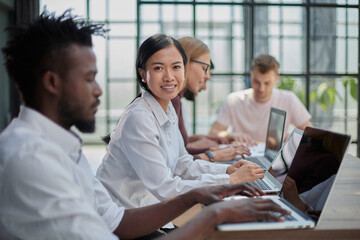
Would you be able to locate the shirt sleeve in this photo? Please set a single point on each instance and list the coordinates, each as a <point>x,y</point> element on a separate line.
<point>44,198</point>
<point>299,114</point>
<point>110,212</point>
<point>140,142</point>
<point>223,116</point>
<point>189,169</point>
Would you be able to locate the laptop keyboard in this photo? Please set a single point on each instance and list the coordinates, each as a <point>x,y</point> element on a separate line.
<point>261,184</point>
<point>257,160</point>
<point>287,217</point>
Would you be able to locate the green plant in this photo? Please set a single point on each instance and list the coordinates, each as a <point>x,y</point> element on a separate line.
<point>325,93</point>
<point>350,82</point>
<point>288,83</point>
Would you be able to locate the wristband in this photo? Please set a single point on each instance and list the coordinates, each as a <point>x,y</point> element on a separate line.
<point>210,155</point>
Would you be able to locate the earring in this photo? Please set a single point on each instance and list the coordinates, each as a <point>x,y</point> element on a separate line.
<point>143,80</point>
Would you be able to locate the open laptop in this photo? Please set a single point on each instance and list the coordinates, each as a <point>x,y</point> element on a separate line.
<point>315,143</point>
<point>273,141</point>
<point>280,164</point>
<point>317,158</point>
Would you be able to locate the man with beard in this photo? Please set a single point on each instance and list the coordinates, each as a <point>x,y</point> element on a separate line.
<point>46,186</point>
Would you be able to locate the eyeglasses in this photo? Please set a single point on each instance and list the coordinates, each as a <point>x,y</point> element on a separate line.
<point>206,64</point>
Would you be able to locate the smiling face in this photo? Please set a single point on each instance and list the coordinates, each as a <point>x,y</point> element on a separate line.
<point>80,92</point>
<point>198,73</point>
<point>164,74</point>
<point>263,84</point>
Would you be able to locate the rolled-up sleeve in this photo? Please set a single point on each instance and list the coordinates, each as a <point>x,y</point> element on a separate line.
<point>200,169</point>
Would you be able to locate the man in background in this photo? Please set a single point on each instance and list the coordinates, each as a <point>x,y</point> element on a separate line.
<point>247,111</point>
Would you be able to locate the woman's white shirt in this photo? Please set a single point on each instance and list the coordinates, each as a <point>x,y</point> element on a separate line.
<point>146,160</point>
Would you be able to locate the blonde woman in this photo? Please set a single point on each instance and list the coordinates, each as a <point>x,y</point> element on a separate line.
<point>197,74</point>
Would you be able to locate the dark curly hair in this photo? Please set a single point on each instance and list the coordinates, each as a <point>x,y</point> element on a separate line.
<point>44,45</point>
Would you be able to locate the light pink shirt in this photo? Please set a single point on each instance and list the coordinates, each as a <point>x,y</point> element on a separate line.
<point>247,116</point>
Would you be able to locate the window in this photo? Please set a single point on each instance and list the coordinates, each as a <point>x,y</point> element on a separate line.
<point>315,41</point>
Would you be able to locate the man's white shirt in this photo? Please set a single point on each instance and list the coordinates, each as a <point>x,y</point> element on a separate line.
<point>46,186</point>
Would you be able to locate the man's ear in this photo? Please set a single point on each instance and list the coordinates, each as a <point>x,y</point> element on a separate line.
<point>51,82</point>
<point>277,79</point>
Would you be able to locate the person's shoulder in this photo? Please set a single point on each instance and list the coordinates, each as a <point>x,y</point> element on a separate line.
<point>15,137</point>
<point>19,141</point>
<point>288,99</point>
<point>240,95</point>
<point>281,93</point>
<point>30,156</point>
<point>138,115</point>
<point>138,107</point>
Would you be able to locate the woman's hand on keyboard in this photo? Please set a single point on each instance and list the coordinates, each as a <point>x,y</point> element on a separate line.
<point>229,153</point>
<point>247,172</point>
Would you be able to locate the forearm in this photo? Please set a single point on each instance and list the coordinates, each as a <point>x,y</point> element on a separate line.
<point>142,221</point>
<point>195,150</point>
<point>195,137</point>
<point>200,227</point>
<point>216,128</point>
<point>223,134</point>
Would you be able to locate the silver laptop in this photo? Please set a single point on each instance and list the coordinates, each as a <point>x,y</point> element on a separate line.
<point>273,141</point>
<point>280,164</point>
<point>297,219</point>
<point>316,144</point>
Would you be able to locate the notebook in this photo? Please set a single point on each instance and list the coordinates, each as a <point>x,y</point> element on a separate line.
<point>280,163</point>
<point>273,141</point>
<point>315,145</point>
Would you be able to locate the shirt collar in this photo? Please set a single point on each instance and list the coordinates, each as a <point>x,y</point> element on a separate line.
<point>158,111</point>
<point>67,140</point>
<point>268,102</point>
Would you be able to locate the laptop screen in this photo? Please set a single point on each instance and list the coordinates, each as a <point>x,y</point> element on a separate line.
<point>286,155</point>
<point>317,158</point>
<point>316,163</point>
<point>275,132</point>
